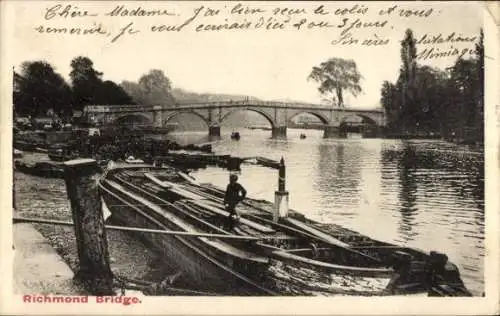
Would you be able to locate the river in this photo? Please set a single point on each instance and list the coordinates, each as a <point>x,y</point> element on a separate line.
<point>424,194</point>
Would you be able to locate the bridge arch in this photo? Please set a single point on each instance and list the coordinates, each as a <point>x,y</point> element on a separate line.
<point>177,113</point>
<point>368,127</point>
<point>366,118</point>
<point>267,116</point>
<point>133,119</point>
<point>321,117</point>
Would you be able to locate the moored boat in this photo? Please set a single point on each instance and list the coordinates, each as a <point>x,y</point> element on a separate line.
<point>235,135</point>
<point>260,256</point>
<point>266,162</point>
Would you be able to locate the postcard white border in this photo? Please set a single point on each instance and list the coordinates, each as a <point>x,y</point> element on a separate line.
<point>11,304</point>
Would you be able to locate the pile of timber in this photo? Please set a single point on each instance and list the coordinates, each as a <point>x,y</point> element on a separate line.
<point>196,160</point>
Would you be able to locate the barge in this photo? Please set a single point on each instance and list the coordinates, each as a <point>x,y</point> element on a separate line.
<point>262,256</point>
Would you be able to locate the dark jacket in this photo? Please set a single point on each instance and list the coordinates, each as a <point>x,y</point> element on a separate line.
<point>233,195</point>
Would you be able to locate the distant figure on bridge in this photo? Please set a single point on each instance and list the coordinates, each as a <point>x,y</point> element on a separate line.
<point>235,193</point>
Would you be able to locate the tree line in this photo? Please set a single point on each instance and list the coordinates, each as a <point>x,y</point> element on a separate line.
<point>40,91</point>
<point>426,100</point>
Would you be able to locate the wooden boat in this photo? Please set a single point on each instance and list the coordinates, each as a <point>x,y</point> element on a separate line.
<point>192,160</point>
<point>206,148</point>
<point>183,160</point>
<point>235,135</point>
<point>266,162</point>
<point>261,257</point>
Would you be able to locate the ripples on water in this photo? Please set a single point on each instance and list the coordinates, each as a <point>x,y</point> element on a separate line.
<point>423,194</point>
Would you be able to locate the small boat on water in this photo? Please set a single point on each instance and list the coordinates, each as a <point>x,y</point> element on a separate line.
<point>235,135</point>
<point>266,162</point>
<point>294,256</point>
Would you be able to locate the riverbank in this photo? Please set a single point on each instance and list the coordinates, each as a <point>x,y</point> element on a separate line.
<point>38,268</point>
<point>37,197</point>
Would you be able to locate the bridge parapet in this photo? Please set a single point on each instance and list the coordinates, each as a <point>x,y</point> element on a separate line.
<point>243,103</point>
<point>214,113</point>
<point>116,108</point>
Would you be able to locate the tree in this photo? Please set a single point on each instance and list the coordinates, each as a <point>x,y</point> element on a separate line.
<point>40,89</point>
<point>479,87</point>
<point>153,88</point>
<point>464,84</point>
<point>335,77</point>
<point>157,87</point>
<point>89,88</point>
<point>429,95</point>
<point>429,99</point>
<point>85,80</point>
<point>479,51</point>
<point>111,93</point>
<point>134,90</point>
<point>406,78</point>
<point>391,102</point>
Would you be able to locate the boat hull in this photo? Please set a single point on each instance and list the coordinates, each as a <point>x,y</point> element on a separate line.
<point>200,266</point>
<point>237,268</point>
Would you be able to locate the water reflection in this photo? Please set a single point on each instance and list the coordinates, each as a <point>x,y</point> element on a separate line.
<point>407,167</point>
<point>428,195</point>
<point>337,177</point>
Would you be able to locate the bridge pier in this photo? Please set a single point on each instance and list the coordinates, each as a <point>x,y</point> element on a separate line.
<point>333,131</point>
<point>214,131</point>
<point>279,132</point>
<point>157,116</point>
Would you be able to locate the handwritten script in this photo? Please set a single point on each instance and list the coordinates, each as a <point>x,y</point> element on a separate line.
<point>343,25</point>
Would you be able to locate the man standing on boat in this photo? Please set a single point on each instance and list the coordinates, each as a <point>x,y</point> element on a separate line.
<point>235,193</point>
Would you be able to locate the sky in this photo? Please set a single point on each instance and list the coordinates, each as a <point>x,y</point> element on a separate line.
<point>270,65</point>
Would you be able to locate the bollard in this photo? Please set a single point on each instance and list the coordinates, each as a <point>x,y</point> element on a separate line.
<point>282,175</point>
<point>81,176</point>
<point>281,196</point>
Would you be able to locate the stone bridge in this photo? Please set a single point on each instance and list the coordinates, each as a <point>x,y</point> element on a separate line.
<point>213,114</point>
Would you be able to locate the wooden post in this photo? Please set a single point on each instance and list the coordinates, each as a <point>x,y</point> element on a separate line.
<point>282,175</point>
<point>281,196</point>
<point>81,176</point>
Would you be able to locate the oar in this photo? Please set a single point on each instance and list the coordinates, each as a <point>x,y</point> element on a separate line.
<point>136,229</point>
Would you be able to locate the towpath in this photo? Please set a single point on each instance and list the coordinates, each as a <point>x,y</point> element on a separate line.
<point>38,269</point>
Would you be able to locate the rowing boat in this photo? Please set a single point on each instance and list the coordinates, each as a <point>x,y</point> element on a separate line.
<point>293,256</point>
<point>266,162</point>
